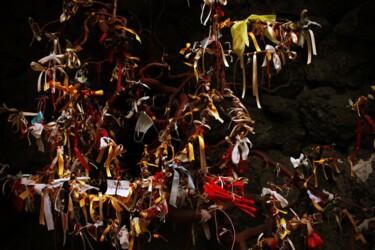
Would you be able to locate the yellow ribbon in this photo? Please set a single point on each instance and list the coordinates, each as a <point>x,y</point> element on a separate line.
<point>70,206</point>
<point>286,232</point>
<point>95,202</point>
<point>358,234</point>
<point>107,163</point>
<point>352,173</point>
<point>66,90</point>
<point>323,163</point>
<point>316,205</point>
<point>227,23</point>
<point>100,155</point>
<point>191,152</point>
<point>187,48</point>
<point>106,230</point>
<point>129,30</point>
<point>116,205</point>
<point>307,181</point>
<point>82,204</point>
<point>202,154</point>
<point>213,111</point>
<point>195,65</point>
<point>60,161</point>
<point>256,46</point>
<point>24,194</point>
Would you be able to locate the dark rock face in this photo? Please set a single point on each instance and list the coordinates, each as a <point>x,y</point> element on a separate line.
<point>305,105</point>
<point>325,116</point>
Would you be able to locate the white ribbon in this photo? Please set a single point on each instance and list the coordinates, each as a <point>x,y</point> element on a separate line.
<point>279,197</point>
<point>364,225</point>
<point>330,195</point>
<point>104,141</point>
<point>144,122</point>
<point>275,58</point>
<point>84,187</point>
<point>176,181</point>
<point>313,44</point>
<point>43,71</point>
<point>313,197</point>
<point>72,59</point>
<point>311,47</point>
<point>241,144</point>
<point>39,188</point>
<point>51,57</point>
<point>48,212</point>
<point>36,130</point>
<point>208,3</point>
<point>135,106</point>
<point>123,237</point>
<point>363,169</point>
<point>60,181</point>
<point>58,152</point>
<point>300,161</point>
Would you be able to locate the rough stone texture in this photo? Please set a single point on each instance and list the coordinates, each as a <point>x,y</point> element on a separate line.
<point>305,105</point>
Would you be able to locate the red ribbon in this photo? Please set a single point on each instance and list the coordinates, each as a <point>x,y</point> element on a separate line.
<point>215,192</point>
<point>119,77</point>
<point>219,11</point>
<point>369,121</point>
<point>242,167</point>
<point>227,158</point>
<point>103,37</point>
<point>79,155</point>
<point>314,240</point>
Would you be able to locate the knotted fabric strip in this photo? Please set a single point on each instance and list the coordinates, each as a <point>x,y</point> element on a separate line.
<point>279,197</point>
<point>176,182</point>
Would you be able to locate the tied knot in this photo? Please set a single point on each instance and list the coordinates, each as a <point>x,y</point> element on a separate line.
<point>16,118</point>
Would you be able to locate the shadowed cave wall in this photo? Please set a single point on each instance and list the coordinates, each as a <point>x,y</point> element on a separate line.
<point>306,105</point>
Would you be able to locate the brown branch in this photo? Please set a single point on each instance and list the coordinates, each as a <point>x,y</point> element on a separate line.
<point>182,97</point>
<point>180,76</point>
<point>283,169</point>
<point>178,215</point>
<point>254,232</point>
<point>149,66</point>
<point>158,86</point>
<point>114,9</point>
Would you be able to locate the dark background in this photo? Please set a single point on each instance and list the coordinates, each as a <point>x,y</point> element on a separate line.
<point>305,105</point>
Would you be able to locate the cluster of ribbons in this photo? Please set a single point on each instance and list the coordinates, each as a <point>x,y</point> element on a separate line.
<point>85,182</point>
<point>281,37</point>
<point>363,119</point>
<point>86,210</point>
<point>66,186</point>
<point>284,227</point>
